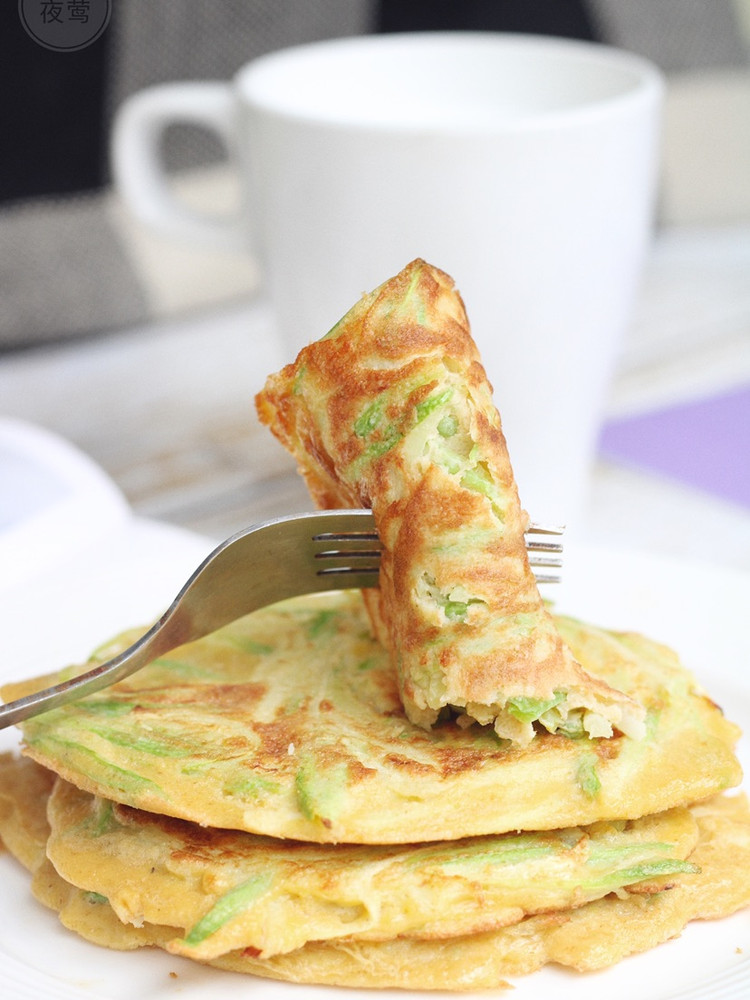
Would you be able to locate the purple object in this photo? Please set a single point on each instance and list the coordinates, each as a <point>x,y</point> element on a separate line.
<point>704,443</point>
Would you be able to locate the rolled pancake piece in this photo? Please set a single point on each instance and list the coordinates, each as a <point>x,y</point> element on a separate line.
<point>392,410</point>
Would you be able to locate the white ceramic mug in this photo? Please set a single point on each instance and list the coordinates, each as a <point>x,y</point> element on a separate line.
<point>523,166</point>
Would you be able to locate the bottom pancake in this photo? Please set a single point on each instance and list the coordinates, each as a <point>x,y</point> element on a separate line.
<point>593,936</point>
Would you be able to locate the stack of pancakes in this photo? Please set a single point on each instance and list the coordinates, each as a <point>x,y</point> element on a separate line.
<point>310,794</point>
<point>259,801</point>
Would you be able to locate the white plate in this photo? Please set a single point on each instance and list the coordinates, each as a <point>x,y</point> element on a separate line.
<point>53,501</point>
<point>127,579</point>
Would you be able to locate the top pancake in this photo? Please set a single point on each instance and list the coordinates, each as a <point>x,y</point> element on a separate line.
<point>392,410</point>
<point>289,722</point>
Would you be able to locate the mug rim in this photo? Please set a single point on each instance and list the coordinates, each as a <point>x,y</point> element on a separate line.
<point>646,83</point>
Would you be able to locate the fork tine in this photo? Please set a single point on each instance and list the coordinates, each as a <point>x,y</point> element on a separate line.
<point>554,562</point>
<point>545,529</point>
<point>532,546</point>
<point>358,535</point>
<point>544,553</point>
<point>551,557</point>
<point>354,553</point>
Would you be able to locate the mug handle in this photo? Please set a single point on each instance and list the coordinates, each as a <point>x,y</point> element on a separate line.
<point>137,167</point>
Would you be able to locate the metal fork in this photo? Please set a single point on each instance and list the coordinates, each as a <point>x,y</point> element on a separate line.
<point>283,557</point>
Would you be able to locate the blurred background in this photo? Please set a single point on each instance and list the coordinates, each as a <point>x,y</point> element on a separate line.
<point>146,353</point>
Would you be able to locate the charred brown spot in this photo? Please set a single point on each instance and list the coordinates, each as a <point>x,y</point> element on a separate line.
<point>608,749</point>
<point>220,696</point>
<point>275,737</point>
<point>357,771</point>
<point>236,743</point>
<point>190,833</point>
<point>709,701</point>
<point>649,888</point>
<point>404,763</point>
<point>457,761</point>
<point>421,393</point>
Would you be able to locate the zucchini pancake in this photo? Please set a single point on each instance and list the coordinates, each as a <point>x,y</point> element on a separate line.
<point>435,784</point>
